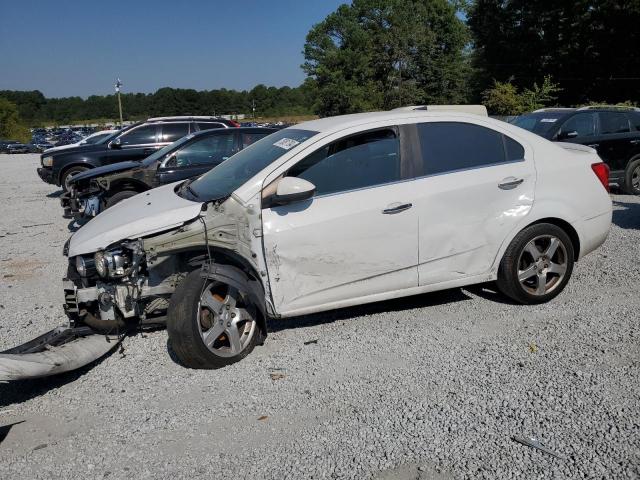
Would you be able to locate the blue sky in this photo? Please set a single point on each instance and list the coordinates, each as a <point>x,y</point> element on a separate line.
<point>64,47</point>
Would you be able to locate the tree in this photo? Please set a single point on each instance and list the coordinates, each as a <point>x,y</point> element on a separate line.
<point>10,126</point>
<point>505,99</point>
<point>380,54</point>
<point>588,46</point>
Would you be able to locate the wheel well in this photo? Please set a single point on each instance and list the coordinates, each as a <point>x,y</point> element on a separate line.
<point>67,167</point>
<point>568,229</point>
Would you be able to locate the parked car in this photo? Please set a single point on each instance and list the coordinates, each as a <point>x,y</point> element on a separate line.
<point>338,212</point>
<point>93,139</point>
<point>135,142</point>
<point>613,131</point>
<point>95,190</point>
<point>39,146</point>
<point>17,147</point>
<point>4,145</point>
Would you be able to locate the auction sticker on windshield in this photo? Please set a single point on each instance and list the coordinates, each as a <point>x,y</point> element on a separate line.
<point>548,120</point>
<point>286,143</point>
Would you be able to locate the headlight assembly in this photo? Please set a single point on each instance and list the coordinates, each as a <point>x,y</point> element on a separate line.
<point>112,263</point>
<point>84,266</point>
<point>47,161</point>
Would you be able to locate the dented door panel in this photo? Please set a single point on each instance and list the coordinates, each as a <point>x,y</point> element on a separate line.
<point>340,247</point>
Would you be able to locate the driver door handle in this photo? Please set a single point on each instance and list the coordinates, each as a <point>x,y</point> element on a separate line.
<point>510,183</point>
<point>397,208</point>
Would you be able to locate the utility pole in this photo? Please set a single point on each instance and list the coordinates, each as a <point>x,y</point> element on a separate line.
<point>118,85</point>
<point>253,107</point>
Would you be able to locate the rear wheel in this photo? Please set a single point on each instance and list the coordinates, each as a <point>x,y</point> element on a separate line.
<point>537,264</point>
<point>118,197</point>
<point>67,174</point>
<point>210,324</point>
<point>632,178</point>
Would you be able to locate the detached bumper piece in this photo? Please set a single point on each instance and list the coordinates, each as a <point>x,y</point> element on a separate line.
<point>61,350</point>
<point>79,208</point>
<point>46,175</point>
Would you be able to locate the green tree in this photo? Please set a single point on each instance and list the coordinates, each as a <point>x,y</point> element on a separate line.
<point>380,54</point>
<point>10,126</point>
<point>588,46</point>
<point>505,99</point>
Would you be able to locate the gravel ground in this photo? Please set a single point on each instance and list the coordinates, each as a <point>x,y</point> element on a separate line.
<point>433,386</point>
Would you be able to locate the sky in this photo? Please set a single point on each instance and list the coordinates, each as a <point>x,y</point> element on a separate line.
<point>79,48</point>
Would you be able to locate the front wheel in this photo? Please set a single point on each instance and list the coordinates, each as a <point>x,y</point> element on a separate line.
<point>66,176</point>
<point>537,264</point>
<point>118,197</point>
<point>210,324</point>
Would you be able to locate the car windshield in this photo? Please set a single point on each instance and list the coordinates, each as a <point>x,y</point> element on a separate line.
<point>166,149</point>
<point>539,122</point>
<point>222,180</point>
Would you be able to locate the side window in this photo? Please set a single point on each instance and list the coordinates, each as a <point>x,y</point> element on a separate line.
<point>451,146</point>
<point>174,131</point>
<point>210,150</point>
<point>210,125</point>
<point>139,136</point>
<point>359,161</point>
<point>635,121</point>
<point>584,124</point>
<point>514,150</point>
<point>613,122</point>
<point>249,138</point>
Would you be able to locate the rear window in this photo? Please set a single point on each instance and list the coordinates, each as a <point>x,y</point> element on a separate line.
<point>451,146</point>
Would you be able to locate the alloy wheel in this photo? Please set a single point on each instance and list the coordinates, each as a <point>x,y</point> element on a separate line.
<point>226,326</point>
<point>542,265</point>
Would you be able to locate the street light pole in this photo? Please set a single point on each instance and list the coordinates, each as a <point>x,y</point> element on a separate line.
<point>118,85</point>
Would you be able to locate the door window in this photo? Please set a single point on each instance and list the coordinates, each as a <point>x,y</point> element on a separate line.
<point>210,150</point>
<point>613,122</point>
<point>582,123</point>
<point>359,161</point>
<point>451,146</point>
<point>174,131</point>
<point>143,135</point>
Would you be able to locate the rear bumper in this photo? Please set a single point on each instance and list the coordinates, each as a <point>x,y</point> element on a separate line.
<point>46,174</point>
<point>593,232</point>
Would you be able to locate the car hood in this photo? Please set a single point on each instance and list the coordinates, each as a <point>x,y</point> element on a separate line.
<point>76,149</point>
<point>105,170</point>
<point>147,213</point>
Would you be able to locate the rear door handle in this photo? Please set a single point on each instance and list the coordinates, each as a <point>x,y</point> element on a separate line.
<point>148,151</point>
<point>397,208</point>
<point>510,183</point>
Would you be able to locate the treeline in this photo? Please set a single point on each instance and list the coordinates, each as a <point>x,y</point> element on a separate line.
<point>35,109</point>
<point>380,54</point>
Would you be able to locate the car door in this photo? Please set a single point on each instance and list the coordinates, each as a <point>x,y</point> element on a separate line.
<point>134,144</point>
<point>477,185</point>
<point>198,156</point>
<point>357,237</point>
<point>616,141</point>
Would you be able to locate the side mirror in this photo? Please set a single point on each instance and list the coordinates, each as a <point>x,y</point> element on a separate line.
<point>116,144</point>
<point>565,135</point>
<point>292,189</point>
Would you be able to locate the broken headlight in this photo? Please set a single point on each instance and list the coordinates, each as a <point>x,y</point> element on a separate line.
<point>112,263</point>
<point>84,266</point>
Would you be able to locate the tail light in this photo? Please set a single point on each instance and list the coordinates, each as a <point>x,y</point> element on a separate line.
<point>602,172</point>
<point>234,124</point>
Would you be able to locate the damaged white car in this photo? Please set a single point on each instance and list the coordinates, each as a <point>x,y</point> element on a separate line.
<point>337,212</point>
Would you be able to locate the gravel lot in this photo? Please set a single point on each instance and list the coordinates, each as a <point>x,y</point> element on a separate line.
<point>433,386</point>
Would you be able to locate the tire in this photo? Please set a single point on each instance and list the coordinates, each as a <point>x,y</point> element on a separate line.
<point>118,197</point>
<point>67,174</point>
<point>529,272</point>
<point>191,319</point>
<point>632,177</point>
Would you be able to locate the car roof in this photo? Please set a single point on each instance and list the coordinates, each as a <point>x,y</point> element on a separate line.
<point>341,122</point>
<point>221,131</point>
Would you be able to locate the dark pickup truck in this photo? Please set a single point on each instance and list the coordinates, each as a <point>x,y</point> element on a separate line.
<point>100,188</point>
<point>135,142</point>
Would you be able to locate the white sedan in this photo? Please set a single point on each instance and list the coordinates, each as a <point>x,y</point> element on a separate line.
<point>337,212</point>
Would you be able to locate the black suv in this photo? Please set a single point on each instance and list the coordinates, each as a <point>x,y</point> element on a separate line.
<point>135,142</point>
<point>613,131</point>
<point>95,190</point>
